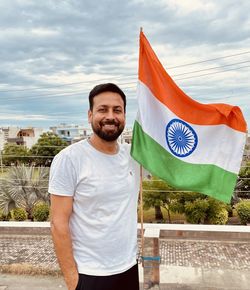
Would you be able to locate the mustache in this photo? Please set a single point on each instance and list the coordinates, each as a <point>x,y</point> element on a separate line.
<point>110,122</point>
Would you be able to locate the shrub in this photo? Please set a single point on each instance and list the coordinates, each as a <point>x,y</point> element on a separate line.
<point>196,211</point>
<point>19,214</point>
<point>218,212</point>
<point>220,217</point>
<point>40,211</point>
<point>199,208</point>
<point>4,217</point>
<point>243,211</point>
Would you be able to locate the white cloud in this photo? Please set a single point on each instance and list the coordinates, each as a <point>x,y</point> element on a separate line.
<point>22,117</point>
<point>43,32</point>
<point>185,6</point>
<point>53,43</point>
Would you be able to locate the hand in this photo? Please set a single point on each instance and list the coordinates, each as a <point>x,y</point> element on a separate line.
<point>72,281</point>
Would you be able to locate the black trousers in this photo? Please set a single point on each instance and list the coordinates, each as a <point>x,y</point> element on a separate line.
<point>128,280</point>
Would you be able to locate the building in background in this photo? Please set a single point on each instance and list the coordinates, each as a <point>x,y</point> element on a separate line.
<point>126,136</point>
<point>6,133</point>
<point>246,155</point>
<point>30,136</point>
<point>71,132</point>
<point>2,141</point>
<point>20,136</point>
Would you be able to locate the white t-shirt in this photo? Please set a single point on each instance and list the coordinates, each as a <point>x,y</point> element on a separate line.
<point>105,190</point>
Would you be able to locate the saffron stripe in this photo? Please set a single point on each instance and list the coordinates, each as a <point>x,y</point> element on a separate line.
<point>153,75</point>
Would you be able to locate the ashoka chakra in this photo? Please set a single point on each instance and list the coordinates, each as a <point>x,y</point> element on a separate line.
<point>181,138</point>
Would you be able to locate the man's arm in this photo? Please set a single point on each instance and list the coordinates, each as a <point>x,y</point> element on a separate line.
<point>61,209</point>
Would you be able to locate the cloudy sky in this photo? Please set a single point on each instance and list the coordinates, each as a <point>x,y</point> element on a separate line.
<point>53,52</point>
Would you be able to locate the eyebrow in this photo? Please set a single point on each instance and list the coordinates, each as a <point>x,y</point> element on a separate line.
<point>105,106</point>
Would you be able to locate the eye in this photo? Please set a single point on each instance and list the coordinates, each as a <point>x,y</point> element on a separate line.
<point>101,110</point>
<point>118,111</point>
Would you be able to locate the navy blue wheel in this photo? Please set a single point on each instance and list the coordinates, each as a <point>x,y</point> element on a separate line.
<point>181,138</point>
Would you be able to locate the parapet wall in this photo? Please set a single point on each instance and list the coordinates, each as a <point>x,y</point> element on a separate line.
<point>167,231</point>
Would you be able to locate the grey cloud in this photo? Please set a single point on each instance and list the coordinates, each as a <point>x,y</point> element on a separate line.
<point>48,38</point>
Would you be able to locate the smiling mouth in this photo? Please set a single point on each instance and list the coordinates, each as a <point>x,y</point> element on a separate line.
<point>109,126</point>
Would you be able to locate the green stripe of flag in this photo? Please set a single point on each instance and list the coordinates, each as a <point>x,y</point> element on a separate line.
<point>204,178</point>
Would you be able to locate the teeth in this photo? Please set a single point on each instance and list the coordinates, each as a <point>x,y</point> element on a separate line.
<point>109,126</point>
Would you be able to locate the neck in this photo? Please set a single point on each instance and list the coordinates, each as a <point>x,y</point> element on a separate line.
<point>108,147</point>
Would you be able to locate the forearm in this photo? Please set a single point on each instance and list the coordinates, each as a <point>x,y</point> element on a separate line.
<point>64,252</point>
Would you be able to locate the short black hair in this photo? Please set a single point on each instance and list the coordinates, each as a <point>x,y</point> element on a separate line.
<point>108,87</point>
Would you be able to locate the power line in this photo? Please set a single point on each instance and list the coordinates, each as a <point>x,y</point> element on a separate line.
<point>213,73</point>
<point>36,187</point>
<point>24,179</point>
<point>120,77</point>
<point>145,190</point>
<point>7,167</point>
<point>71,93</point>
<point>231,94</point>
<point>43,180</point>
<point>26,156</point>
<point>64,85</point>
<point>168,191</point>
<point>133,84</point>
<point>42,146</point>
<point>35,167</point>
<point>212,68</point>
<point>211,59</point>
<point>82,92</point>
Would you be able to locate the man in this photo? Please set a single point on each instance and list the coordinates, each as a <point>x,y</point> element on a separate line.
<point>94,187</point>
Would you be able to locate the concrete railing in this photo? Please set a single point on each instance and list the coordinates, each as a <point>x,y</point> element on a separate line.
<point>167,231</point>
<point>201,232</point>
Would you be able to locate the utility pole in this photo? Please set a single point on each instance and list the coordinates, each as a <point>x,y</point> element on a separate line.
<point>1,160</point>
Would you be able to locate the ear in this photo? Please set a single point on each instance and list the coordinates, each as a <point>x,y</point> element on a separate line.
<point>90,114</point>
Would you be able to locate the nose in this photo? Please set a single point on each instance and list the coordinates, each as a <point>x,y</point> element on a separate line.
<point>110,115</point>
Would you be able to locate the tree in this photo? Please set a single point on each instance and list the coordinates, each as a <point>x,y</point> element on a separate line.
<point>199,208</point>
<point>13,153</point>
<point>243,183</point>
<point>155,195</point>
<point>23,188</point>
<point>47,146</point>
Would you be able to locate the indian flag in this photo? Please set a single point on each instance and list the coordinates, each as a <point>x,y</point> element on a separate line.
<point>192,146</point>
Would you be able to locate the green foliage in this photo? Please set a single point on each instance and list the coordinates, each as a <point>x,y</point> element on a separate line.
<point>8,200</point>
<point>156,193</point>
<point>220,217</point>
<point>4,217</point>
<point>199,208</point>
<point>23,187</point>
<point>15,154</point>
<point>243,183</point>
<point>180,198</point>
<point>41,211</point>
<point>217,212</point>
<point>19,214</point>
<point>243,211</point>
<point>196,211</point>
<point>47,146</point>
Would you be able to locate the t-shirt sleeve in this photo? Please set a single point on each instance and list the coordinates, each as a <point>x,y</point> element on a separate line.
<point>62,179</point>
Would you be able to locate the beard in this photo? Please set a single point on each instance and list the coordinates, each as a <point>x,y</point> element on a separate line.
<point>108,134</point>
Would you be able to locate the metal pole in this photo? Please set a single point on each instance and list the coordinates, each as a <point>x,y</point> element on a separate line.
<point>1,160</point>
<point>141,205</point>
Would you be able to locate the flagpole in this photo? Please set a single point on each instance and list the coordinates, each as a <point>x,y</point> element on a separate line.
<point>141,207</point>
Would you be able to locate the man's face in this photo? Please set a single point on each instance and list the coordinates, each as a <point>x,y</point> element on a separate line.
<point>107,117</point>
